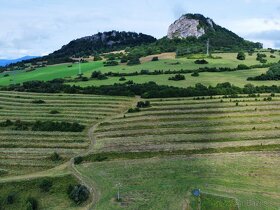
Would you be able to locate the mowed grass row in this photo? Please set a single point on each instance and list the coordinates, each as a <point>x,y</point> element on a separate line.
<point>23,151</point>
<point>165,126</point>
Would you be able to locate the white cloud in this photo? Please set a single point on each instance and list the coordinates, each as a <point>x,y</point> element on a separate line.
<point>253,25</point>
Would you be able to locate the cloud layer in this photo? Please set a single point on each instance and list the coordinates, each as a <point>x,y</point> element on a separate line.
<point>38,27</point>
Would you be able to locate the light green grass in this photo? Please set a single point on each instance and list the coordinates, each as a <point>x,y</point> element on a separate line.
<point>166,183</point>
<point>63,71</point>
<point>48,73</point>
<point>24,152</point>
<point>238,78</point>
<point>188,124</point>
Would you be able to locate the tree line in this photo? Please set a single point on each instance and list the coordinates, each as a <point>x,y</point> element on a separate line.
<point>146,90</point>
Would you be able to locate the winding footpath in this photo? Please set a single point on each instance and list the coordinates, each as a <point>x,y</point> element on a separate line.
<point>90,184</point>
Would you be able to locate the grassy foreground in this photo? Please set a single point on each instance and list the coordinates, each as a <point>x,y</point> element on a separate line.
<point>55,199</point>
<point>227,181</point>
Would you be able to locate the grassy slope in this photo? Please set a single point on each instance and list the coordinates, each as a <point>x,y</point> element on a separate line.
<point>167,183</point>
<point>23,152</point>
<point>228,60</point>
<point>238,78</point>
<point>187,124</point>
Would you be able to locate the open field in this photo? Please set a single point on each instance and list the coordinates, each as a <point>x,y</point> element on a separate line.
<point>25,151</point>
<point>245,181</point>
<point>167,62</point>
<point>187,124</point>
<point>159,155</point>
<point>238,78</point>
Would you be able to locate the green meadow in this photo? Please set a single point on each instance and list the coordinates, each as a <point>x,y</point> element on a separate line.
<point>227,182</point>
<point>168,62</point>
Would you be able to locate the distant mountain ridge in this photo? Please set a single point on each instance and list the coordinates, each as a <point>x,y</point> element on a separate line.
<point>4,62</point>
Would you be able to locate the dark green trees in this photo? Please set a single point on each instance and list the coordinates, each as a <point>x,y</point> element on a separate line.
<point>241,56</point>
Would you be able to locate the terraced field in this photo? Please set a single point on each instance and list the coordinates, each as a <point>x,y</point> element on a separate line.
<point>28,151</point>
<point>186,124</point>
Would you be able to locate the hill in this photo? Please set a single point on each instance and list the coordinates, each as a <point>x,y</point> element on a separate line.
<point>102,42</point>
<point>4,62</point>
<point>190,33</point>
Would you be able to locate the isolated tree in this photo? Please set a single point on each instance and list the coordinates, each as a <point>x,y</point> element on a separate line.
<point>241,56</point>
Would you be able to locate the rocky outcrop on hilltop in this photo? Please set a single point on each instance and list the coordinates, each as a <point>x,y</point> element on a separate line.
<point>190,25</point>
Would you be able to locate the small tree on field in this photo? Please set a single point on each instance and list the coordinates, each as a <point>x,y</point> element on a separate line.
<point>241,56</point>
<point>45,185</point>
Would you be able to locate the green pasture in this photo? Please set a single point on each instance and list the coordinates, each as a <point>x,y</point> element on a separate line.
<point>245,181</point>
<point>64,71</point>
<point>238,78</point>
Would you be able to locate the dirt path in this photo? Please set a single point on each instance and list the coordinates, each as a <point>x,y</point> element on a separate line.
<point>90,184</point>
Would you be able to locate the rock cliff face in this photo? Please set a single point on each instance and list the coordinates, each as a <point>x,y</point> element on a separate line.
<point>190,26</point>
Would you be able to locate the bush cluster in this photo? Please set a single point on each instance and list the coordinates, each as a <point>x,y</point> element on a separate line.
<point>177,77</point>
<point>203,61</point>
<point>143,104</point>
<point>78,193</point>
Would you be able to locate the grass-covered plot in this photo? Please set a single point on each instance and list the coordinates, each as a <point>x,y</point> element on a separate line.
<point>167,61</point>
<point>43,129</point>
<point>188,124</point>
<point>229,181</point>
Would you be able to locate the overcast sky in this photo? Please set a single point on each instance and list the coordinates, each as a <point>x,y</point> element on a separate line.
<point>38,27</point>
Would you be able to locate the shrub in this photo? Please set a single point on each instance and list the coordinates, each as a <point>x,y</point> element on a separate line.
<point>124,59</point>
<point>111,63</point>
<point>31,203</point>
<point>241,56</point>
<point>78,160</point>
<point>54,112</point>
<point>97,58</point>
<point>55,157</point>
<point>133,61</point>
<point>155,59</point>
<point>38,101</point>
<point>177,77</point>
<point>45,185</point>
<point>272,56</point>
<point>7,123</point>
<point>98,75</point>
<point>57,126</point>
<point>260,57</point>
<point>100,158</point>
<point>133,110</point>
<point>78,193</point>
<point>122,79</point>
<point>143,104</point>
<point>102,77</point>
<point>242,67</point>
<point>195,74</point>
<point>11,198</point>
<point>203,61</point>
<point>263,61</point>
